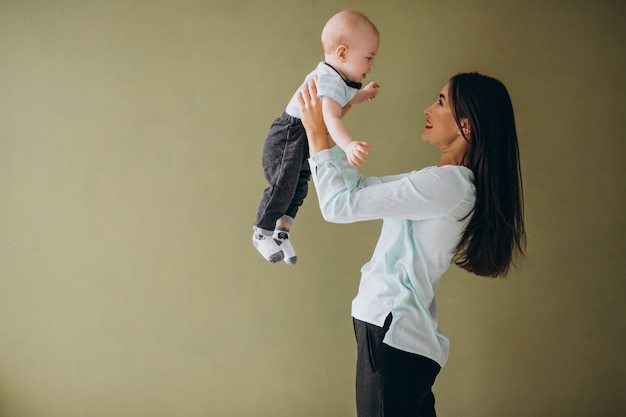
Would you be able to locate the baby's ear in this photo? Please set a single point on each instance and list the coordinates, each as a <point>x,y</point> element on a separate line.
<point>341,52</point>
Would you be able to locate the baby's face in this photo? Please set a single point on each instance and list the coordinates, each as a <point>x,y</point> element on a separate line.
<point>360,56</point>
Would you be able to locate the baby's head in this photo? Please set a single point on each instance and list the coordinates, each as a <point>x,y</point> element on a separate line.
<point>350,41</point>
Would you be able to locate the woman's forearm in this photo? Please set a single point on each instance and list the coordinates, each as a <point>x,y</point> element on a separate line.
<point>318,141</point>
<point>312,119</point>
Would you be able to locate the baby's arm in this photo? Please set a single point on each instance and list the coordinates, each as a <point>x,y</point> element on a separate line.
<point>367,93</point>
<point>355,151</point>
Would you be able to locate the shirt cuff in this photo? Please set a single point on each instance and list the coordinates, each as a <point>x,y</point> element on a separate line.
<point>327,155</point>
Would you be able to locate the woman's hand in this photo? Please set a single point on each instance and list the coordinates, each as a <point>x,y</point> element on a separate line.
<point>312,118</point>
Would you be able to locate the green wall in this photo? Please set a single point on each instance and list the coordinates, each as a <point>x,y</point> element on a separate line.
<point>130,143</point>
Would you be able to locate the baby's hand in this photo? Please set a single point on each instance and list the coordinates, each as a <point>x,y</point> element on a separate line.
<point>370,91</point>
<point>356,151</point>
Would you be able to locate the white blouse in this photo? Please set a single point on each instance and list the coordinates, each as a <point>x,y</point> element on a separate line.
<point>424,215</point>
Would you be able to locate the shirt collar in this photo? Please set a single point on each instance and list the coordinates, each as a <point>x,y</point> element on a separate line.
<point>351,84</point>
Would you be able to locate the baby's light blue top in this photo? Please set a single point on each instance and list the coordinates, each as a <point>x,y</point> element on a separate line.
<point>329,84</point>
<point>424,215</point>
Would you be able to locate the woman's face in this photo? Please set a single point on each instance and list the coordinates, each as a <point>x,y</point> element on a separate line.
<point>441,129</point>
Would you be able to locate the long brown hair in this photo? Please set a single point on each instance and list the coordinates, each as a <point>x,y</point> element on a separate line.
<point>495,234</point>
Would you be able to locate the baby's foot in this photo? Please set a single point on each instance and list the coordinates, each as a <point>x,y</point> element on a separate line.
<point>267,247</point>
<point>282,237</point>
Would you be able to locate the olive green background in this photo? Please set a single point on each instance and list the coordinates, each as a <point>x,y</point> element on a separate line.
<point>130,144</point>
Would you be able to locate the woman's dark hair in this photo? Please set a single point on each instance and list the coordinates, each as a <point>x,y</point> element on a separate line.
<point>495,234</point>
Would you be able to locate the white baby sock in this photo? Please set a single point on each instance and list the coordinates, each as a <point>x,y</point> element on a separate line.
<point>282,237</point>
<point>267,246</point>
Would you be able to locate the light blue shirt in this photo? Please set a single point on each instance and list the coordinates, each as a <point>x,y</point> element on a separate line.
<point>424,215</point>
<point>329,84</point>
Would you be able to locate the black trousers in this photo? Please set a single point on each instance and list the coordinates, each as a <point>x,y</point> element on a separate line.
<point>286,167</point>
<point>391,382</point>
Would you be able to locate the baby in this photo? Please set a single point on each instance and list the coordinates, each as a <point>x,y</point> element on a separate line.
<point>350,42</point>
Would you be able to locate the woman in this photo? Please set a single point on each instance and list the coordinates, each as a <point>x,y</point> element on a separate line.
<point>468,209</point>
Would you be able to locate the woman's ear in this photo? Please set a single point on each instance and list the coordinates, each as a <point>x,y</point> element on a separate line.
<point>466,127</point>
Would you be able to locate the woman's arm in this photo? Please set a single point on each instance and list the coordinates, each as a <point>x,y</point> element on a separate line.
<point>346,197</point>
<point>313,119</point>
